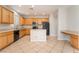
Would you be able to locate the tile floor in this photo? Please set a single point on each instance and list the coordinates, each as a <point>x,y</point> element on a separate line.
<point>52,45</point>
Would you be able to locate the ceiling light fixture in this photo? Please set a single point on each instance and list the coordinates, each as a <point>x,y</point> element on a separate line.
<point>33,6</point>
<point>20,5</point>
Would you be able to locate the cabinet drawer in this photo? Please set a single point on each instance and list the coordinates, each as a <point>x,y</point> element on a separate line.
<point>10,38</point>
<point>9,33</point>
<point>2,34</point>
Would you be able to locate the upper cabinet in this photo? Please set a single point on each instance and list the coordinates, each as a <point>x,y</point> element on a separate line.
<point>7,16</point>
<point>11,17</point>
<point>0,14</point>
<point>22,20</point>
<point>29,21</point>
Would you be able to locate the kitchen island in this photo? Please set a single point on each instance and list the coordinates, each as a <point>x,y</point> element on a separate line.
<point>38,34</point>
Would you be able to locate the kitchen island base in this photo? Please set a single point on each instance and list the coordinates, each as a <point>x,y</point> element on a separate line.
<point>38,35</point>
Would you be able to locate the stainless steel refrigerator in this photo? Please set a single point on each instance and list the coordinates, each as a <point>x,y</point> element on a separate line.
<point>46,26</point>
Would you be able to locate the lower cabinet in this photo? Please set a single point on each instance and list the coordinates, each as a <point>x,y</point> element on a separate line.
<point>23,32</point>
<point>10,37</point>
<point>3,40</point>
<point>74,41</point>
<point>6,39</point>
<point>27,31</point>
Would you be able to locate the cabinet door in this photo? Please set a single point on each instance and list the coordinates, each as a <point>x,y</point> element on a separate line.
<point>0,14</point>
<point>5,16</point>
<point>74,41</point>
<point>27,31</point>
<point>29,21</point>
<point>20,33</point>
<point>3,41</point>
<point>11,17</point>
<point>22,21</point>
<point>45,19</point>
<point>10,37</point>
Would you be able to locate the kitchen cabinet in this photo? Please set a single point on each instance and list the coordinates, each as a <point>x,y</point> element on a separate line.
<point>37,20</point>
<point>5,16</point>
<point>22,32</point>
<point>3,40</point>
<point>22,21</point>
<point>11,17</point>
<point>10,37</point>
<point>74,40</point>
<point>28,21</point>
<point>44,19</point>
<point>6,39</point>
<point>27,31</point>
<point>0,14</point>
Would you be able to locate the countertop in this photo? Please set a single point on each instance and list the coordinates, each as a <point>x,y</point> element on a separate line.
<point>12,29</point>
<point>70,32</point>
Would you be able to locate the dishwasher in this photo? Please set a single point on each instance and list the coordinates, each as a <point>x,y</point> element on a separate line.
<point>16,35</point>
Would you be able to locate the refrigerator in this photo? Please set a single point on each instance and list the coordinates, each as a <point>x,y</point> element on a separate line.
<point>46,26</point>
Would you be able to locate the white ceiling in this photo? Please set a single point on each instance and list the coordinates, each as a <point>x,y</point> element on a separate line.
<point>37,9</point>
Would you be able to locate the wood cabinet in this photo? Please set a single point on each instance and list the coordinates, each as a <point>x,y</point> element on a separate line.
<point>22,32</point>
<point>6,39</point>
<point>22,21</point>
<point>0,14</point>
<point>27,31</point>
<point>5,16</point>
<point>3,40</point>
<point>44,19</point>
<point>37,20</point>
<point>74,40</point>
<point>10,37</point>
<point>11,17</point>
<point>29,21</point>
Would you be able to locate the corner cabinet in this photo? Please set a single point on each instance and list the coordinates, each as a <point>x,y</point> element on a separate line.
<point>6,16</point>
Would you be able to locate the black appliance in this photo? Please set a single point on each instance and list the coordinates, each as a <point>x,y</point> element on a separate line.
<point>46,26</point>
<point>16,35</point>
<point>34,25</point>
